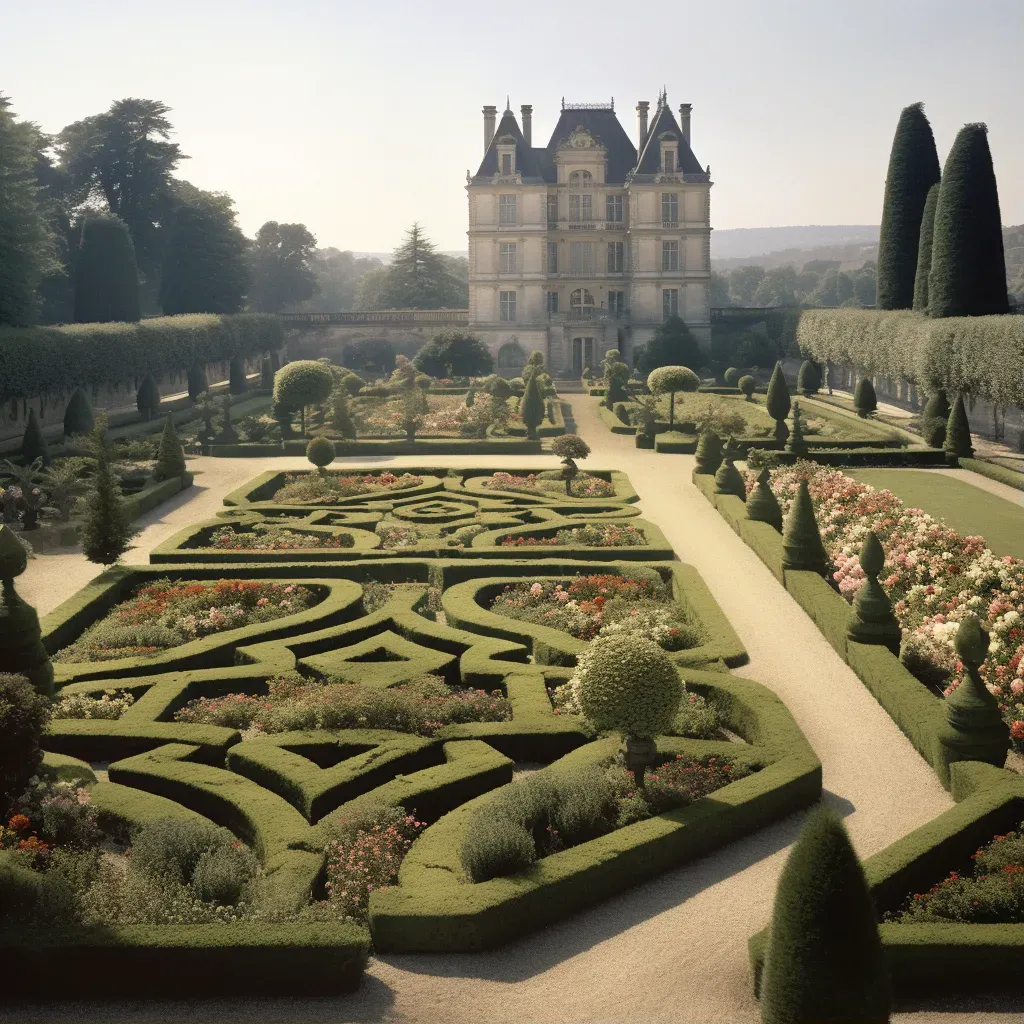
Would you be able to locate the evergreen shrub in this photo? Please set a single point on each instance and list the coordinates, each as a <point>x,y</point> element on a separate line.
<point>236,377</point>
<point>78,416</point>
<point>170,457</point>
<point>320,452</point>
<point>23,717</point>
<point>147,399</point>
<point>33,444</point>
<point>864,400</point>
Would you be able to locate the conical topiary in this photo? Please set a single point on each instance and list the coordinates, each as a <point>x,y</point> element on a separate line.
<point>709,452</point>
<point>824,962</point>
<point>266,377</point>
<point>78,417</point>
<point>21,646</point>
<point>864,400</point>
<point>531,407</point>
<point>796,444</point>
<point>777,404</point>
<point>106,529</point>
<point>762,505</point>
<point>809,379</point>
<point>975,730</point>
<point>170,457</point>
<point>924,250</point>
<point>913,169</point>
<point>147,399</point>
<point>33,444</point>
<point>873,621</point>
<point>237,383</point>
<point>228,434</point>
<point>470,397</point>
<point>196,381</point>
<point>801,541</point>
<point>958,434</point>
<point>728,479</point>
<point>934,419</point>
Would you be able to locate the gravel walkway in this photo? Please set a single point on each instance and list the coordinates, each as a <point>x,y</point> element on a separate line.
<point>673,950</point>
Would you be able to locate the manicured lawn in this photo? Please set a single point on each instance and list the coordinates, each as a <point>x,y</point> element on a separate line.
<point>966,508</point>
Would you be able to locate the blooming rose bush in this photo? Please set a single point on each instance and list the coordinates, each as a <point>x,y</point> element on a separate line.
<point>109,706</point>
<point>273,537</point>
<point>934,576</point>
<point>167,613</point>
<point>326,489</point>
<point>584,485</point>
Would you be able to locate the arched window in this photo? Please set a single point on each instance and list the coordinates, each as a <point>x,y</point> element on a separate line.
<point>511,359</point>
<point>581,180</point>
<point>581,304</point>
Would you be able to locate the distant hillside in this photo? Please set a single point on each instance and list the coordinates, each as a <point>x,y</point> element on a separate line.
<point>739,243</point>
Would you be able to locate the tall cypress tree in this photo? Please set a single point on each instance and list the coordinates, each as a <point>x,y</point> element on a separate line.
<point>913,169</point>
<point>924,250</point>
<point>968,275</point>
<point>106,277</point>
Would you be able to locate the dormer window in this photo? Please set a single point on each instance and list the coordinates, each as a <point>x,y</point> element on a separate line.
<point>506,156</point>
<point>669,161</point>
<point>506,163</point>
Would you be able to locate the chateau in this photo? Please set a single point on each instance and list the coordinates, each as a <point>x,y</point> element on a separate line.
<point>590,242</point>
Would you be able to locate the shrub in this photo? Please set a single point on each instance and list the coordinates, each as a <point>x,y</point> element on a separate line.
<point>809,379</point>
<point>748,386</point>
<point>33,444</point>
<point>957,442</point>
<point>224,873</point>
<point>454,353</point>
<point>320,452</point>
<point>106,529</point>
<point>300,384</point>
<point>531,408</point>
<point>777,403</point>
<point>171,457</point>
<point>197,383</point>
<point>667,380</point>
<point>23,717</point>
<point>801,539</point>
<point>672,344</point>
<point>864,400</point>
<point>255,429</point>
<point>237,383</point>
<point>78,417</point>
<point>147,398</point>
<point>924,250</point>
<point>824,960</point>
<point>106,277</point>
<point>731,376</point>
<point>173,847</point>
<point>934,419</point>
<point>21,648</point>
<point>266,376</point>
<point>495,847</point>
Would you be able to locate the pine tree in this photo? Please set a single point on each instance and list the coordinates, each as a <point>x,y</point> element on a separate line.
<point>824,961</point>
<point>170,457</point>
<point>26,243</point>
<point>106,530</point>
<point>33,444</point>
<point>531,407</point>
<point>418,277</point>
<point>78,416</point>
<point>777,404</point>
<point>924,250</point>
<point>968,273</point>
<point>913,169</point>
<point>106,277</point>
<point>958,434</point>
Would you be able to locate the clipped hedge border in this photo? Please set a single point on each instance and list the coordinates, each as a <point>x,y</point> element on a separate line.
<point>431,910</point>
<point>994,472</point>
<point>372,448</point>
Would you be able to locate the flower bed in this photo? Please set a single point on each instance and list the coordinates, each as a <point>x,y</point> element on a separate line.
<point>584,485</point>
<point>422,707</point>
<point>325,489</point>
<point>272,537</point>
<point>396,535</point>
<point>934,576</point>
<point>601,605</point>
<point>593,535</point>
<point>166,614</point>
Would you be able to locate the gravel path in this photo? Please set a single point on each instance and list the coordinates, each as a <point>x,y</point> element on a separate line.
<point>673,950</point>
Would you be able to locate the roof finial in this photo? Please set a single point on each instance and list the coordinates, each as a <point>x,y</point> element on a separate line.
<point>508,105</point>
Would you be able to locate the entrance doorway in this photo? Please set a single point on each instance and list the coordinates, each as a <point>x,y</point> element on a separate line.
<point>582,355</point>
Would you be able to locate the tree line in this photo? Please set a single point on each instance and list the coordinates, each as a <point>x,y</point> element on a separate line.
<point>95,225</point>
<point>817,283</point>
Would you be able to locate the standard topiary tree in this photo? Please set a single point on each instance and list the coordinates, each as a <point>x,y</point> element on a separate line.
<point>196,381</point>
<point>228,434</point>
<point>801,541</point>
<point>748,386</point>
<point>266,376</point>
<point>796,445</point>
<point>913,169</point>
<point>170,460</point>
<point>777,404</point>
<point>21,646</point>
<point>106,530</point>
<point>628,684</point>
<point>824,961</point>
<point>667,380</point>
<point>762,505</point>
<point>864,400</point>
<point>709,452</point>
<point>728,479</point>
<point>78,417</point>
<point>33,444</point>
<point>975,730</point>
<point>569,448</point>
<point>934,419</point>
<point>106,277</point>
<point>23,717</point>
<point>147,398</point>
<point>924,250</point>
<point>237,383</point>
<point>531,406</point>
<point>731,376</point>
<point>957,443</point>
<point>302,383</point>
<point>873,621</point>
<point>968,272</point>
<point>321,453</point>
<point>809,379</point>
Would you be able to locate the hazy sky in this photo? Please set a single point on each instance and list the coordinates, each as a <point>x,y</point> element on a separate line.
<point>359,117</point>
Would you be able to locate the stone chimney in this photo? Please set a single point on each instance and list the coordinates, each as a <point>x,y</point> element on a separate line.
<point>641,123</point>
<point>490,116</point>
<point>684,120</point>
<point>527,110</point>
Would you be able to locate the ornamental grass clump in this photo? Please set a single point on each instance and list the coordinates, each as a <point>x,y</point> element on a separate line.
<point>824,961</point>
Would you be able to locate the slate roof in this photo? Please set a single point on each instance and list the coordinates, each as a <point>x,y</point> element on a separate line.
<point>650,158</point>
<point>526,161</point>
<point>604,126</point>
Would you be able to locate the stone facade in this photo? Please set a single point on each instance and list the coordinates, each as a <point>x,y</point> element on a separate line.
<point>587,244</point>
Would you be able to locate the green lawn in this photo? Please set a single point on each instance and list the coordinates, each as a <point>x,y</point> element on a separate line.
<point>966,508</point>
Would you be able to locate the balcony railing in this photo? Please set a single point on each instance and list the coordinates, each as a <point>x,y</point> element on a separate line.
<point>586,224</point>
<point>588,313</point>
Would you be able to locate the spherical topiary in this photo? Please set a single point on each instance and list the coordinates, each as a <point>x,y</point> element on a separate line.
<point>864,400</point>
<point>78,417</point>
<point>304,382</point>
<point>731,376</point>
<point>320,452</point>
<point>748,386</point>
<point>628,684</point>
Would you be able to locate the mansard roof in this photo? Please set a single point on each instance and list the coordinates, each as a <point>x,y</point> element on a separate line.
<point>650,159</point>
<point>604,126</point>
<point>526,160</point>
